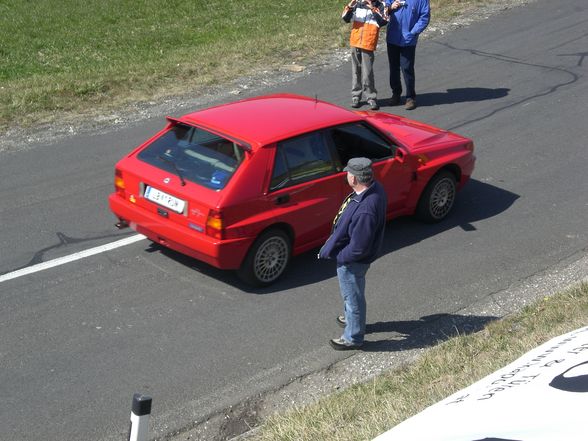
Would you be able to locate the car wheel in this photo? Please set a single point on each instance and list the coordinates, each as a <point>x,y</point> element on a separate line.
<point>267,259</point>
<point>438,198</point>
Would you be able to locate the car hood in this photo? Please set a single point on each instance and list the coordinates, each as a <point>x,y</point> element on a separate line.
<point>413,134</point>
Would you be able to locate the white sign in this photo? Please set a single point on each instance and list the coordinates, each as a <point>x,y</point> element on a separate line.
<point>542,396</point>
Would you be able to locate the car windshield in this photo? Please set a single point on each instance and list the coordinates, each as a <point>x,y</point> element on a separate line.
<point>195,155</point>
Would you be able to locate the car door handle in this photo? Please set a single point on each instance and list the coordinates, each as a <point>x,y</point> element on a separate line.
<point>282,199</point>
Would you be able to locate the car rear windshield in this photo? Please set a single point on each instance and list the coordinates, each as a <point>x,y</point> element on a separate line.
<point>195,155</point>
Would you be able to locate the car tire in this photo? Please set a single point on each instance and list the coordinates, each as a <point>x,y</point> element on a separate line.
<point>438,198</point>
<point>267,259</point>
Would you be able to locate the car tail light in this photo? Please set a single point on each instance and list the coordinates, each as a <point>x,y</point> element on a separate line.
<point>470,146</point>
<point>215,225</point>
<point>119,183</point>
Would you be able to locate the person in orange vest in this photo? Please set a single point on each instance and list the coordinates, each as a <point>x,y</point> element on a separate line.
<point>368,16</point>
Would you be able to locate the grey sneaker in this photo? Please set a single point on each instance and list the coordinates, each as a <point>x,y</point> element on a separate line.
<point>341,321</point>
<point>373,104</point>
<point>355,102</point>
<point>410,104</point>
<point>343,345</point>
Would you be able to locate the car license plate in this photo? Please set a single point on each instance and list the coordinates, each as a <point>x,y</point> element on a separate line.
<point>161,198</point>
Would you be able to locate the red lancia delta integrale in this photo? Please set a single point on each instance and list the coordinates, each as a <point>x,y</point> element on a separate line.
<point>246,185</point>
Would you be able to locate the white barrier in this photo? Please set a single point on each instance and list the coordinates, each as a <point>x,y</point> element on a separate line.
<point>542,396</point>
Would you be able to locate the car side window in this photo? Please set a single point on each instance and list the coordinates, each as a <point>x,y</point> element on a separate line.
<point>301,159</point>
<point>359,140</point>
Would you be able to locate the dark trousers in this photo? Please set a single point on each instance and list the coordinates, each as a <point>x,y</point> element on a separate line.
<point>402,57</point>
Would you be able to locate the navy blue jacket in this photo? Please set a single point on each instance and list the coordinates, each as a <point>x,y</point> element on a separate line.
<point>359,232</point>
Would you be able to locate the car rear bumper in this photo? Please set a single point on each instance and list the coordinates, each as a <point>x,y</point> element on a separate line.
<point>222,254</point>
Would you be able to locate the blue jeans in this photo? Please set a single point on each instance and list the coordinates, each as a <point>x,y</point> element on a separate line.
<point>352,285</point>
<point>402,57</point>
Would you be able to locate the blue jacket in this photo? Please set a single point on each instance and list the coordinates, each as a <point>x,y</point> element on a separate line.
<point>407,22</point>
<point>359,232</point>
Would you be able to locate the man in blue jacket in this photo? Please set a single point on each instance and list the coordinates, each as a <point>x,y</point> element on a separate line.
<point>355,242</point>
<point>407,19</point>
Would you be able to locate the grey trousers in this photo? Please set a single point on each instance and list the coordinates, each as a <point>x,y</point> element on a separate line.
<point>362,74</point>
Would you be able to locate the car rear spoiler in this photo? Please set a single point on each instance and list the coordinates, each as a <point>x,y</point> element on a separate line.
<point>244,145</point>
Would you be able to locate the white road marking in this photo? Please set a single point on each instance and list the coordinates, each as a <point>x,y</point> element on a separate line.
<point>72,257</point>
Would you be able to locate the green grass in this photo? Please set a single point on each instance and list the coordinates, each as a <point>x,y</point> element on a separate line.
<point>60,57</point>
<point>366,410</point>
<point>74,55</point>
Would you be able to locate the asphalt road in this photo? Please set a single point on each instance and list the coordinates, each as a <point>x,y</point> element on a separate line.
<point>77,340</point>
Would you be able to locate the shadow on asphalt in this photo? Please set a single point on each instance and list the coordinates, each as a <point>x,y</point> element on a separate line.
<point>461,95</point>
<point>476,202</point>
<point>451,96</point>
<point>428,331</point>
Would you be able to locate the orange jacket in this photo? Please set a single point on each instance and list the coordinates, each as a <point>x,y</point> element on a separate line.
<point>366,23</point>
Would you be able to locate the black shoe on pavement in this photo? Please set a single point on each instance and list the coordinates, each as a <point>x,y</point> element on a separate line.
<point>339,344</point>
<point>355,103</point>
<point>341,321</point>
<point>395,100</point>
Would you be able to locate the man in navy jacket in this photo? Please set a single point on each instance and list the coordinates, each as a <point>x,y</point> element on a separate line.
<point>355,242</point>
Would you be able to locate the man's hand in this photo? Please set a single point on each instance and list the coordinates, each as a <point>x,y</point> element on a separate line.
<point>396,4</point>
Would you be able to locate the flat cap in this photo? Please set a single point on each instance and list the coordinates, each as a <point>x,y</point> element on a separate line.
<point>360,167</point>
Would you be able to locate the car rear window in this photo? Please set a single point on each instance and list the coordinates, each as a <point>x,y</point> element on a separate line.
<point>197,155</point>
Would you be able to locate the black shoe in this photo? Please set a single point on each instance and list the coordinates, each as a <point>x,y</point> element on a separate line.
<point>373,104</point>
<point>341,321</point>
<point>355,103</point>
<point>339,344</point>
<point>395,100</point>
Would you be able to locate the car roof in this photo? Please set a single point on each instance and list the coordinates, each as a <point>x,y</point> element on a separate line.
<point>270,118</point>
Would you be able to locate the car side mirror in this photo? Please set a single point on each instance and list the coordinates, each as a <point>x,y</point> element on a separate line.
<point>399,155</point>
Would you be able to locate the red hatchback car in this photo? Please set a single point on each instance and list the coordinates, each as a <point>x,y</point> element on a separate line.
<point>244,186</point>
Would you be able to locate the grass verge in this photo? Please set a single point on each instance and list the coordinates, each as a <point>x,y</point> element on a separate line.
<point>60,57</point>
<point>366,410</point>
